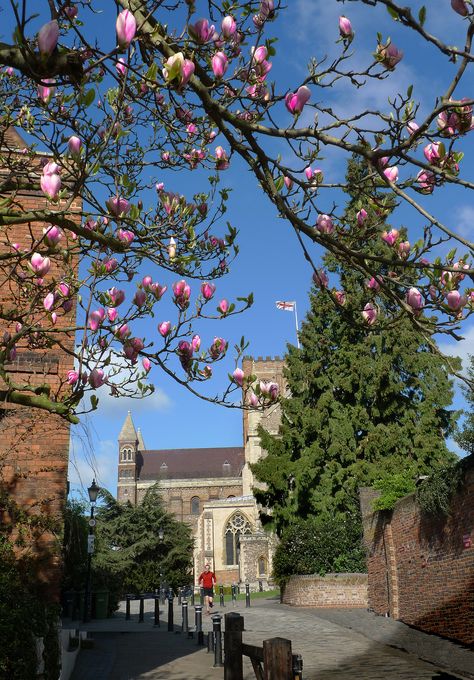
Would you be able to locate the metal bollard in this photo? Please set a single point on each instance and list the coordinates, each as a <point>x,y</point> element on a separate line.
<point>297,667</point>
<point>127,607</point>
<point>170,612</point>
<point>217,635</point>
<point>180,596</point>
<point>260,586</point>
<point>157,611</point>
<point>141,613</point>
<point>198,623</point>
<point>201,595</point>
<point>221,596</point>
<point>247,595</point>
<point>234,593</point>
<point>184,617</point>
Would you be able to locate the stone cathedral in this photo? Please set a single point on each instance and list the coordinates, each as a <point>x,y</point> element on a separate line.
<point>211,489</point>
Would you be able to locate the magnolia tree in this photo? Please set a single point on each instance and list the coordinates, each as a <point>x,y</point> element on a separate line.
<point>102,126</point>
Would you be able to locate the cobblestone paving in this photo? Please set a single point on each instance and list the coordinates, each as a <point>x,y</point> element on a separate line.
<point>330,651</point>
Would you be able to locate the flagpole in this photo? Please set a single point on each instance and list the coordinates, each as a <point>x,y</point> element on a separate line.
<point>297,329</point>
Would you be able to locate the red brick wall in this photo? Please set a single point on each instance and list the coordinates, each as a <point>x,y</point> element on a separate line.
<point>34,445</point>
<point>421,568</point>
<point>332,590</point>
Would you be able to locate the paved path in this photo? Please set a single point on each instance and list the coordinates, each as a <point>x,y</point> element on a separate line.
<point>335,645</point>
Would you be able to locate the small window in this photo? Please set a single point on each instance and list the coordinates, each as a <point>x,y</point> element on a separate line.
<point>262,566</point>
<point>195,505</point>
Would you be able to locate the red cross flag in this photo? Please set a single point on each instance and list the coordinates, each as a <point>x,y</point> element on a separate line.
<point>287,306</point>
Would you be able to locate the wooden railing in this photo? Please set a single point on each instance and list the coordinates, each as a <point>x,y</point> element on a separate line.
<point>273,661</point>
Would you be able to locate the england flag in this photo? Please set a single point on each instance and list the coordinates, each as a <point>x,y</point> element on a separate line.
<point>287,306</point>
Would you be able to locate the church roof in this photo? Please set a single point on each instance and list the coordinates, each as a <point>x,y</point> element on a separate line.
<point>191,463</point>
<point>128,432</point>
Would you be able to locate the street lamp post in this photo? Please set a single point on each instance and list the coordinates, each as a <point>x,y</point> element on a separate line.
<point>161,535</point>
<point>93,492</point>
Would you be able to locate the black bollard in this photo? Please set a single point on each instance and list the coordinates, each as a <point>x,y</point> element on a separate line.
<point>297,667</point>
<point>216,630</point>
<point>260,586</point>
<point>234,592</point>
<point>221,596</point>
<point>180,596</point>
<point>127,607</point>
<point>198,623</point>
<point>142,609</point>
<point>247,595</point>
<point>162,595</point>
<point>170,612</point>
<point>201,595</point>
<point>184,617</point>
<point>157,611</point>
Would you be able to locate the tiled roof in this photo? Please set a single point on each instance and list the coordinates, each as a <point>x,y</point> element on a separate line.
<point>190,463</point>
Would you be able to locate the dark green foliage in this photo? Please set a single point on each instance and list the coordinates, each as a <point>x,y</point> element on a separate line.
<point>465,436</point>
<point>23,617</point>
<point>434,495</point>
<point>129,550</point>
<point>393,487</point>
<point>320,545</point>
<point>366,404</point>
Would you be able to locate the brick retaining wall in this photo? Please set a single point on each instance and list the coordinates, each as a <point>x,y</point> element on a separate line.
<point>332,590</point>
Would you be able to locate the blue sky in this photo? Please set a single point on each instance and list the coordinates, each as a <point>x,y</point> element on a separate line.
<point>270,262</point>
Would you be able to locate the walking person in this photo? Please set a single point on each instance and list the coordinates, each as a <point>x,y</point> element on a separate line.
<point>208,580</point>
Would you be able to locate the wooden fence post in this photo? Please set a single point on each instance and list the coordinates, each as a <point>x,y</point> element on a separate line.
<point>233,664</point>
<point>277,659</point>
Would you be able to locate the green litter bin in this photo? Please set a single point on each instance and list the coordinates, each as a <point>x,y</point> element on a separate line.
<point>100,604</point>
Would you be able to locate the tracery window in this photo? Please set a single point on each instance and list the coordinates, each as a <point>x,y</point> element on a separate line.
<point>195,505</point>
<point>235,528</point>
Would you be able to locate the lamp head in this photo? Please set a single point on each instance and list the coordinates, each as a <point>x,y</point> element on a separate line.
<point>93,491</point>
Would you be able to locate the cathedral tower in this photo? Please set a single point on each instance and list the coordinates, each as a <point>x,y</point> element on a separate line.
<point>128,441</point>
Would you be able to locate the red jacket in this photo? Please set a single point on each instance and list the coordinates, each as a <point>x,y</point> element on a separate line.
<point>208,579</point>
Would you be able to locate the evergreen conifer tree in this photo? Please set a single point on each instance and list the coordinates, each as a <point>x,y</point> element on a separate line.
<point>465,436</point>
<point>363,405</point>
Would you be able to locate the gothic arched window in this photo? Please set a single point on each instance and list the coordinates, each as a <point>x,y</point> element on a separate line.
<point>235,528</point>
<point>127,454</point>
<point>195,505</point>
<point>262,566</point>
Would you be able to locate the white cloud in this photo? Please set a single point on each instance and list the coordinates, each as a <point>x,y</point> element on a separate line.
<point>91,458</point>
<point>465,220</point>
<point>111,406</point>
<point>462,348</point>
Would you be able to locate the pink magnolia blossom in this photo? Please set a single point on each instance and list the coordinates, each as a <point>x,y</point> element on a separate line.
<point>121,67</point>
<point>415,299</point>
<point>427,181</point>
<point>52,236</point>
<point>112,314</point>
<point>218,348</point>
<point>122,332</point>
<point>146,363</point>
<point>373,284</point>
<point>126,27</point>
<point>460,7</point>
<point>412,127</point>
<point>390,236</point>
<point>361,216</point>
<point>48,38</point>
<point>64,289</point>
<point>51,186</point>
<point>222,161</point>
<point>219,63</point>
<point>139,298</point>
<point>125,235</point>
<point>324,224</point>
<point>345,28</point>
<point>288,183</point>
<point>389,55</point>
<point>391,173</point>
<point>340,297</point>
<point>70,11</point>
<point>48,301</point>
<point>39,265</point>
<point>182,293</point>
<point>207,290</point>
<point>201,32</point>
<point>96,378</point>
<point>164,328</point>
<point>295,101</point>
<point>223,307</point>
<point>72,377</point>
<point>455,300</point>
<point>157,290</point>
<point>147,281</point>
<point>253,399</point>
<point>116,296</point>
<point>320,278</point>
<point>178,70</point>
<point>432,152</point>
<point>259,54</point>
<point>117,206</point>
<point>404,249</point>
<point>96,318</point>
<point>238,376</point>
<point>228,26</point>
<point>74,145</point>
<point>447,123</point>
<point>46,91</point>
<point>196,343</point>
<point>370,313</point>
